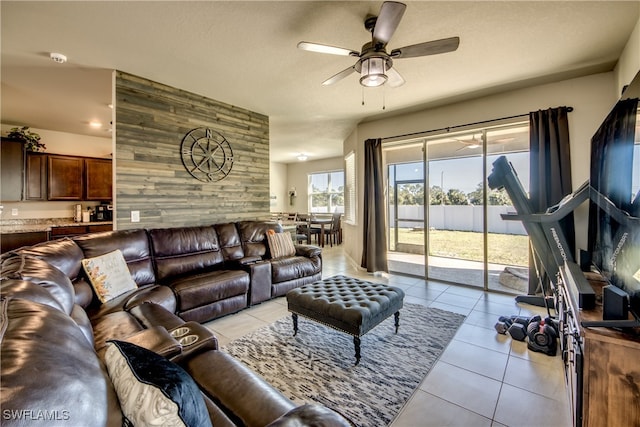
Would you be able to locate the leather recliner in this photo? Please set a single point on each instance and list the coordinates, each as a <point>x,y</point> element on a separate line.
<point>51,349</point>
<point>211,270</point>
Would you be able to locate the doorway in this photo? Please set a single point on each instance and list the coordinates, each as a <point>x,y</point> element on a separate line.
<point>444,222</point>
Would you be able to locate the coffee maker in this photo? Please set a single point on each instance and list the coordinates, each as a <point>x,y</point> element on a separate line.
<point>104,212</point>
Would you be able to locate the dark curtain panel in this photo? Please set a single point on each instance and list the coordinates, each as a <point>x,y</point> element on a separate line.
<point>374,244</point>
<point>611,175</point>
<point>550,164</point>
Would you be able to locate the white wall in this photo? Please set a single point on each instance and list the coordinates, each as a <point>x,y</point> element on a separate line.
<point>70,144</point>
<point>459,218</point>
<point>591,98</point>
<point>57,143</point>
<point>629,63</point>
<point>297,176</point>
<point>353,245</point>
<point>278,187</point>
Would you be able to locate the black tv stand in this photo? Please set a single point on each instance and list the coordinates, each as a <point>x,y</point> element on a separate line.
<point>601,359</point>
<point>536,300</point>
<point>619,324</point>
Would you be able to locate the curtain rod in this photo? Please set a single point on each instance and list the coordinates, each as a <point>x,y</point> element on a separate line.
<point>448,128</point>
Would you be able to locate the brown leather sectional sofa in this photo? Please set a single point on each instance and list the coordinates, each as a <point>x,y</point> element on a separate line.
<point>54,333</point>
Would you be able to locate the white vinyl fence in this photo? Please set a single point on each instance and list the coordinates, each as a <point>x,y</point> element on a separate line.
<point>459,218</point>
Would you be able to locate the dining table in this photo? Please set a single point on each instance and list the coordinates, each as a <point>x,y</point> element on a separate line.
<point>321,222</point>
<point>288,225</point>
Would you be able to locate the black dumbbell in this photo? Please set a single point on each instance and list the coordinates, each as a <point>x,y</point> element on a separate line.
<point>518,331</point>
<point>503,324</point>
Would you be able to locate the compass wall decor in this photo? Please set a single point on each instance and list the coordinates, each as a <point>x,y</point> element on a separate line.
<point>206,154</point>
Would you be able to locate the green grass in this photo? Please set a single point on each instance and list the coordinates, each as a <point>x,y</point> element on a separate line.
<point>506,249</point>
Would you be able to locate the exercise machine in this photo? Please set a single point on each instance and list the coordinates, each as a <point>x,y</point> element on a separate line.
<point>546,236</point>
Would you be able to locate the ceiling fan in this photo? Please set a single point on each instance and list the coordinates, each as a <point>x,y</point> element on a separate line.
<point>374,64</point>
<point>469,143</point>
<point>477,143</point>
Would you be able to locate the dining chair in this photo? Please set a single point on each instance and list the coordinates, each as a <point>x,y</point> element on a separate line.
<point>333,233</point>
<point>305,231</point>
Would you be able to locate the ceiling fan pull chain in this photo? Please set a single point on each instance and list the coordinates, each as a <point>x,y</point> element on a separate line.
<point>362,95</point>
<point>384,97</point>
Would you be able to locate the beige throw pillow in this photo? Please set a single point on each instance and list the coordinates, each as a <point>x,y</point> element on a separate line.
<point>280,244</point>
<point>109,275</point>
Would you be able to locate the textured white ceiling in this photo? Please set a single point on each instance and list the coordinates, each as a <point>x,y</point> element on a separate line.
<point>244,54</point>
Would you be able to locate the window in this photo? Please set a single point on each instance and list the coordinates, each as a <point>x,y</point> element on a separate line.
<point>326,192</point>
<point>350,188</point>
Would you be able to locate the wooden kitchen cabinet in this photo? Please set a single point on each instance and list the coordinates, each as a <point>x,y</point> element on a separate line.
<point>65,177</point>
<point>11,162</point>
<point>75,230</point>
<point>36,177</point>
<point>59,177</point>
<point>98,179</point>
<point>11,241</point>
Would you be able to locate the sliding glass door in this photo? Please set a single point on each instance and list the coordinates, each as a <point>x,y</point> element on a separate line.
<point>444,222</point>
<point>406,215</point>
<point>456,239</point>
<point>507,241</point>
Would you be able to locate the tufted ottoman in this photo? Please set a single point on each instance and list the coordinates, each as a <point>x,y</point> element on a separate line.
<point>349,305</point>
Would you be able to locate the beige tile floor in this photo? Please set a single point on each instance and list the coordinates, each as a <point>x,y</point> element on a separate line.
<point>482,378</point>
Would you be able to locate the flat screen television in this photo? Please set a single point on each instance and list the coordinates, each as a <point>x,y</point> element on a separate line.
<point>614,228</point>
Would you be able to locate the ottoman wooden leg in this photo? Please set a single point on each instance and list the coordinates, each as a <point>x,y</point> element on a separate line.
<point>396,316</point>
<point>356,343</point>
<point>294,316</point>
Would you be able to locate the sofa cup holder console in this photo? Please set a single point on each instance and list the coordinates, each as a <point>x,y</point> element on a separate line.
<point>188,340</point>
<point>193,338</point>
<point>179,332</point>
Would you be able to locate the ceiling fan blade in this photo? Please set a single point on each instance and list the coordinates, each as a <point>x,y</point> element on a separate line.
<point>324,48</point>
<point>388,19</point>
<point>341,75</point>
<point>470,143</point>
<point>427,48</point>
<point>395,79</point>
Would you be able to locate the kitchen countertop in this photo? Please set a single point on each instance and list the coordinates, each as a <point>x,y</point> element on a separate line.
<point>38,225</point>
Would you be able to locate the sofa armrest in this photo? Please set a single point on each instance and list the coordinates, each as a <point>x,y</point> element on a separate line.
<point>149,314</point>
<point>236,389</point>
<point>249,260</point>
<point>308,251</point>
<point>193,338</point>
<point>158,294</point>
<point>156,339</point>
<point>311,415</point>
<point>260,289</point>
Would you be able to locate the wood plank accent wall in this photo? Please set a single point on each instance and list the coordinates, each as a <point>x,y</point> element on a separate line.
<point>151,120</point>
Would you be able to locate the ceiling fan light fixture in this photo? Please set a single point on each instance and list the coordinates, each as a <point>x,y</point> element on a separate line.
<point>373,72</point>
<point>58,57</point>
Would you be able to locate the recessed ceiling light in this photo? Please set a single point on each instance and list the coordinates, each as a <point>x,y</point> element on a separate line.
<point>95,124</point>
<point>58,57</point>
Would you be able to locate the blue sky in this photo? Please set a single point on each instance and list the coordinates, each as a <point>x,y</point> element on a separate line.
<point>463,173</point>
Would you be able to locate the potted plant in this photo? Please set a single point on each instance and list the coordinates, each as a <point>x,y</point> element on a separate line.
<point>30,139</point>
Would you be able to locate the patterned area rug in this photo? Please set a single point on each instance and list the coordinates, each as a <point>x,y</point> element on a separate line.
<point>318,364</point>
